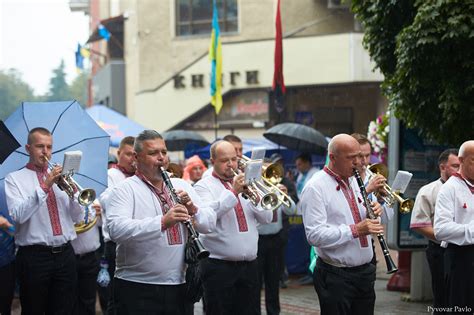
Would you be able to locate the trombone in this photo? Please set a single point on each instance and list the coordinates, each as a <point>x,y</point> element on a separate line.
<point>391,196</point>
<point>85,198</point>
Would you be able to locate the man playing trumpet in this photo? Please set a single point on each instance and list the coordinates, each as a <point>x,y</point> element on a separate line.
<point>230,275</point>
<point>144,222</point>
<point>44,217</point>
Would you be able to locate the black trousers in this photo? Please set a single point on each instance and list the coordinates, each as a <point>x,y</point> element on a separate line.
<point>270,252</point>
<point>7,288</point>
<point>87,267</point>
<point>230,287</point>
<point>345,290</point>
<point>105,294</point>
<point>459,264</point>
<point>133,298</point>
<point>435,257</point>
<point>48,279</point>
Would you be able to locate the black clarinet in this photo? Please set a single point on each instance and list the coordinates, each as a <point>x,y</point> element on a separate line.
<point>391,267</point>
<point>201,251</point>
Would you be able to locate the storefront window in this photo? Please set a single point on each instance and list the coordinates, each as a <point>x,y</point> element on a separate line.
<point>194,17</point>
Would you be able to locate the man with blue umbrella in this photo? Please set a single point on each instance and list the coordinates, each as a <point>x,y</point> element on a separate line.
<point>44,216</point>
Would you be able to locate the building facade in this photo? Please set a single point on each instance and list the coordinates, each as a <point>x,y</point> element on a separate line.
<point>162,47</point>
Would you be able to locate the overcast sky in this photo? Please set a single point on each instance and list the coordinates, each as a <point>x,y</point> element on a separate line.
<point>36,34</point>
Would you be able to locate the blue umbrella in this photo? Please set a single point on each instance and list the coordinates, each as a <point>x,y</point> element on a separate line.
<point>115,124</point>
<point>72,129</point>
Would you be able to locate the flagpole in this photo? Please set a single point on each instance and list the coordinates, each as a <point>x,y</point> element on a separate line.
<point>215,125</point>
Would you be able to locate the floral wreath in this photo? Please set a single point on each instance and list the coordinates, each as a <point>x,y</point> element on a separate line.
<point>378,135</point>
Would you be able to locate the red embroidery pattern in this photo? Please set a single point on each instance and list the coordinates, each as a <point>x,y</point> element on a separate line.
<point>351,200</point>
<point>173,233</point>
<point>50,200</point>
<point>239,210</point>
<point>275,215</point>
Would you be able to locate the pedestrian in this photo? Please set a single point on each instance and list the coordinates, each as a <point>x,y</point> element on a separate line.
<point>144,221</point>
<point>44,217</point>
<point>454,225</point>
<point>422,217</point>
<point>335,222</point>
<point>7,263</point>
<point>230,274</point>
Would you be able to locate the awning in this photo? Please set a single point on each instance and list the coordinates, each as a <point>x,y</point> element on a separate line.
<point>114,25</point>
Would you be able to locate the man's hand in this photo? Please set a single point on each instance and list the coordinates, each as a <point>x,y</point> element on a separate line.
<point>377,208</point>
<point>186,201</point>
<point>376,184</point>
<point>53,176</point>
<point>4,224</point>
<point>369,226</point>
<point>97,208</point>
<point>177,213</point>
<point>239,183</point>
<point>282,188</point>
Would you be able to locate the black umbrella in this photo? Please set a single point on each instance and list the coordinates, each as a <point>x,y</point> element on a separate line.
<point>180,140</point>
<point>8,143</point>
<point>298,137</point>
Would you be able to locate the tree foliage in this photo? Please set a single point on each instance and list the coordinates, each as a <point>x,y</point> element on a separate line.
<point>13,91</point>
<point>58,87</point>
<point>425,50</point>
<point>78,88</point>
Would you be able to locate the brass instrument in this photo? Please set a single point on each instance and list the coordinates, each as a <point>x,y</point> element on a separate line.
<point>85,198</point>
<point>201,251</point>
<point>272,175</point>
<point>258,194</point>
<point>391,267</point>
<point>391,196</point>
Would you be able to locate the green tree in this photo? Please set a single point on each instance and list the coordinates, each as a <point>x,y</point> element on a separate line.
<point>424,49</point>
<point>13,91</point>
<point>78,88</point>
<point>58,87</point>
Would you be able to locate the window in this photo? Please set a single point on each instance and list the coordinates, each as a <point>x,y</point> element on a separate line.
<point>194,17</point>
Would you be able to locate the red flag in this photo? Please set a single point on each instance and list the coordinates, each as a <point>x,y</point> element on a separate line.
<point>278,81</point>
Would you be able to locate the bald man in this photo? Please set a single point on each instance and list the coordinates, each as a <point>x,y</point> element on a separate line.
<point>230,274</point>
<point>454,224</point>
<point>335,223</point>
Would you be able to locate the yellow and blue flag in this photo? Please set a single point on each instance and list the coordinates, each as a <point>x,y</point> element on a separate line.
<point>215,56</point>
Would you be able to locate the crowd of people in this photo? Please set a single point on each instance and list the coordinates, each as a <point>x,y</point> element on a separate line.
<point>142,238</point>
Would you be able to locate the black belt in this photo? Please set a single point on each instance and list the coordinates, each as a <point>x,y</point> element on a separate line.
<point>45,248</point>
<point>350,269</point>
<point>231,262</point>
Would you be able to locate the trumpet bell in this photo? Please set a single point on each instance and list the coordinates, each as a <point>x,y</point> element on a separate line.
<point>379,168</point>
<point>406,206</point>
<point>273,173</point>
<point>86,197</point>
<point>270,201</point>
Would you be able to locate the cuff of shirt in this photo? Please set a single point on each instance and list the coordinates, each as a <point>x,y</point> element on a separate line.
<point>355,234</point>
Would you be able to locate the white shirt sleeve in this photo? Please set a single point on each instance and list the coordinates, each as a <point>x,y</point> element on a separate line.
<point>121,223</point>
<point>445,226</point>
<point>225,202</point>
<point>22,208</point>
<point>318,232</point>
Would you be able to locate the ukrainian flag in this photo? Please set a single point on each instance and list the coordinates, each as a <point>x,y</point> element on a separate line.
<point>215,56</point>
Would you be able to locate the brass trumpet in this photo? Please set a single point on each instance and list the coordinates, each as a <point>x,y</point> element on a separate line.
<point>257,193</point>
<point>391,196</point>
<point>86,196</point>
<point>272,175</point>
